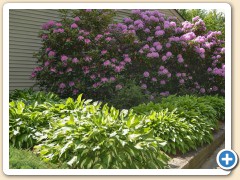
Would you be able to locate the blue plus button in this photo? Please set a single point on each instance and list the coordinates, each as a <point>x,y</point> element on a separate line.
<point>227,159</point>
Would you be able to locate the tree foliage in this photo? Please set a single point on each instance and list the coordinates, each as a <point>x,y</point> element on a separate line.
<point>214,21</point>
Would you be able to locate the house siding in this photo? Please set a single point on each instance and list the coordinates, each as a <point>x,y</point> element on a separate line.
<point>23,41</point>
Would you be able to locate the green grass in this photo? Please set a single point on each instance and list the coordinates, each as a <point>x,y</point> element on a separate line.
<point>25,159</point>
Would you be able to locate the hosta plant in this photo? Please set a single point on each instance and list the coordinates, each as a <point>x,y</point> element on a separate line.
<point>88,136</point>
<point>185,122</point>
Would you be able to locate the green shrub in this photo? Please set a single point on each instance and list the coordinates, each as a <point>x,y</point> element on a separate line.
<point>128,96</point>
<point>25,159</point>
<point>218,103</point>
<point>84,52</point>
<point>185,122</point>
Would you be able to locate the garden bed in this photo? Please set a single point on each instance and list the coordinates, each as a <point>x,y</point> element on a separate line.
<point>194,159</point>
<point>82,134</point>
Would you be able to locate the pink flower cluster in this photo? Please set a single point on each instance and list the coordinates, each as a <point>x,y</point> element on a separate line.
<point>161,56</point>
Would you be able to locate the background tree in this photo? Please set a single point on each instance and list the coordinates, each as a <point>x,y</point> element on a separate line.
<point>214,21</point>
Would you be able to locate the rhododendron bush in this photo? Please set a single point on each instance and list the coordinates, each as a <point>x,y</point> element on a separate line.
<point>86,52</point>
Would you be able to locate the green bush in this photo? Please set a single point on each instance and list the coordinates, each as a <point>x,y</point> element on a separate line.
<point>25,159</point>
<point>128,96</point>
<point>84,52</point>
<point>185,122</point>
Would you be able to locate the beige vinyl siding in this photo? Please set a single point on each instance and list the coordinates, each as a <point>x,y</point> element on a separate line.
<point>24,41</point>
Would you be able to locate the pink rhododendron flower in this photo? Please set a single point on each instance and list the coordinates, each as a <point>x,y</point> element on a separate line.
<point>154,79</point>
<point>71,83</point>
<point>166,93</point>
<point>202,90</point>
<point>146,74</point>
<point>53,70</point>
<point>159,33</point>
<point>159,47</point>
<point>149,39</point>
<point>164,58</point>
<point>74,26</point>
<point>37,69</point>
<point>108,39</point>
<point>104,79</point>
<point>33,74</point>
<point>62,85</point>
<point>118,87</point>
<point>80,38</point>
<point>107,63</point>
<point>145,47</point>
<point>168,54</point>
<point>127,60</point>
<point>178,74</point>
<point>76,19</point>
<point>168,45</point>
<point>162,82</point>
<point>103,52</point>
<point>179,56</point>
<point>48,25</point>
<point>209,69</point>
<point>180,60</point>
<point>88,58</point>
<point>58,24</point>
<point>75,91</point>
<point>75,60</point>
<point>214,88</point>
<point>172,24</point>
<point>114,60</point>
<point>87,41</point>
<point>152,49</point>
<point>122,63</point>
<point>48,49</point>
<point>181,81</point>
<point>93,77</point>
<point>85,69</point>
<point>99,36</point>
<point>118,69</point>
<point>144,86</point>
<point>46,63</point>
<point>161,67</point>
<point>64,58</point>
<point>69,69</point>
<point>112,78</point>
<point>51,53</point>
<point>195,18</point>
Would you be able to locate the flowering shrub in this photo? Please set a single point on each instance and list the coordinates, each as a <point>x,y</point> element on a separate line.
<point>85,54</point>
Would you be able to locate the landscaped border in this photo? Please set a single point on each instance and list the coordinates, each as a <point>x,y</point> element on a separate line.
<point>113,6</point>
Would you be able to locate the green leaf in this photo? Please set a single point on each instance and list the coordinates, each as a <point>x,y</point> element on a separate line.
<point>72,161</point>
<point>71,120</point>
